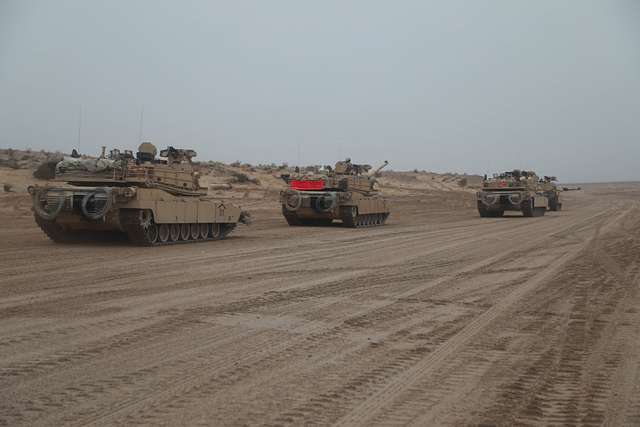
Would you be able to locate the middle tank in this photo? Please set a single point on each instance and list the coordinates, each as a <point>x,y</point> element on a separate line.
<point>347,193</point>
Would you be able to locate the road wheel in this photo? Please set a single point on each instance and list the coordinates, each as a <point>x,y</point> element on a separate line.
<point>216,231</point>
<point>184,232</point>
<point>151,234</point>
<point>194,231</point>
<point>174,232</point>
<point>204,231</point>
<point>163,233</point>
<point>140,226</point>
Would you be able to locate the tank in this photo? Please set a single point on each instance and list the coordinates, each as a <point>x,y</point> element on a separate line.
<point>149,200</point>
<point>347,193</point>
<point>512,191</point>
<point>551,192</point>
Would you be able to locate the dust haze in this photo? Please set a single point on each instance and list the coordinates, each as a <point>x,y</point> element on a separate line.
<point>442,86</point>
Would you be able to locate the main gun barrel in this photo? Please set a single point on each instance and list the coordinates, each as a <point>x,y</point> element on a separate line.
<point>377,170</point>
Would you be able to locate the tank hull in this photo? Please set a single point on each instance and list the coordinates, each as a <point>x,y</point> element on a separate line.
<point>324,207</point>
<point>147,216</point>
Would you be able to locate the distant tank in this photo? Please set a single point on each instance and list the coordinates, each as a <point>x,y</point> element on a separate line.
<point>346,193</point>
<point>153,201</point>
<point>512,191</point>
<point>552,192</point>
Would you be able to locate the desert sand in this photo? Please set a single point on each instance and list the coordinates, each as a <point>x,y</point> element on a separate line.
<point>438,318</point>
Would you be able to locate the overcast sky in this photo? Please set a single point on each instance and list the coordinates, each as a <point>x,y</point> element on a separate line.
<point>467,86</point>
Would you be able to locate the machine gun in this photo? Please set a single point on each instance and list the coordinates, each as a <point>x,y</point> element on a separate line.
<point>177,155</point>
<point>376,171</point>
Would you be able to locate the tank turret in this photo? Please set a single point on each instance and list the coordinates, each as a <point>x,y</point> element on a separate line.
<point>172,172</point>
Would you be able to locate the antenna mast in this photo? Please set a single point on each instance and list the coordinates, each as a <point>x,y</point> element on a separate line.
<point>79,127</point>
<point>141,125</point>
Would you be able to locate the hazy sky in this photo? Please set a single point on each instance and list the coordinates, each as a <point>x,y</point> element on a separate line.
<point>475,86</point>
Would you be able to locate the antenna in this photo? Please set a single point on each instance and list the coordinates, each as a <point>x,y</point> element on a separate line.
<point>141,125</point>
<point>298,154</point>
<point>79,127</point>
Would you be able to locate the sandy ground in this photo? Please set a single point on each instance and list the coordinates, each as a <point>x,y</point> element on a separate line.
<point>438,318</point>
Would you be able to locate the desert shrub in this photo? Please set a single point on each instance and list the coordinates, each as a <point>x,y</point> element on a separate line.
<point>243,178</point>
<point>11,163</point>
<point>46,170</point>
<point>57,156</point>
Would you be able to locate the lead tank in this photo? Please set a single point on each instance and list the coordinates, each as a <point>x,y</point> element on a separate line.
<point>512,191</point>
<point>346,193</point>
<point>152,201</point>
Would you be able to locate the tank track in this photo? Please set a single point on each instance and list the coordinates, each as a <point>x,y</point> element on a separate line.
<point>295,221</point>
<point>554,204</point>
<point>360,221</point>
<point>347,217</point>
<point>486,213</point>
<point>55,231</point>
<point>309,222</point>
<point>59,234</point>
<point>152,234</point>
<point>529,210</point>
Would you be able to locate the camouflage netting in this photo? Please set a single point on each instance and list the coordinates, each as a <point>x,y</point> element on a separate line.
<point>88,165</point>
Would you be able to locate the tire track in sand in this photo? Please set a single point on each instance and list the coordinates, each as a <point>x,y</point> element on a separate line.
<point>363,413</point>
